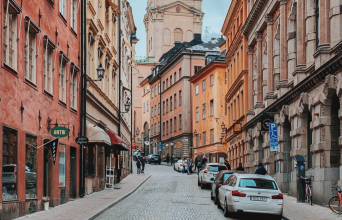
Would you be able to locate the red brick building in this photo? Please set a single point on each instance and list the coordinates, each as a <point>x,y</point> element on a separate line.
<point>39,82</point>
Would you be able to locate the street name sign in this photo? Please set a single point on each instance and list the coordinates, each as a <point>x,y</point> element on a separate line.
<point>273,130</point>
<point>82,140</point>
<point>59,132</point>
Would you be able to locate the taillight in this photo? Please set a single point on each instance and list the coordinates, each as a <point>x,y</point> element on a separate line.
<point>237,193</point>
<point>15,170</point>
<point>181,165</point>
<point>224,182</point>
<point>219,185</point>
<point>280,196</point>
<point>206,170</point>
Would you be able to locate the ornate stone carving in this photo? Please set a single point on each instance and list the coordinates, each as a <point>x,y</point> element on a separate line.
<point>304,102</point>
<point>249,135</point>
<point>284,112</point>
<point>322,134</point>
<point>250,50</point>
<point>269,19</point>
<point>322,110</point>
<point>330,86</point>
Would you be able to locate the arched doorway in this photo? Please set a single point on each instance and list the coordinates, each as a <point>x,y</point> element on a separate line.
<point>335,132</point>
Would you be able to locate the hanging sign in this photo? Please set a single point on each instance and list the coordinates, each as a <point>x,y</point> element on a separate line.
<point>178,144</point>
<point>53,145</point>
<point>59,132</point>
<point>274,143</point>
<point>82,140</point>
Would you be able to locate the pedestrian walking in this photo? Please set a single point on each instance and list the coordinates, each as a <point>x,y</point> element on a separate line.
<point>172,160</point>
<point>167,159</point>
<point>227,164</point>
<point>183,165</point>
<point>240,168</point>
<point>198,164</point>
<point>143,165</point>
<point>138,163</point>
<point>189,166</point>
<point>261,170</point>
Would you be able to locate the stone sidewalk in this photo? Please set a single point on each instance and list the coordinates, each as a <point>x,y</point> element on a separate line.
<point>304,211</point>
<point>93,204</point>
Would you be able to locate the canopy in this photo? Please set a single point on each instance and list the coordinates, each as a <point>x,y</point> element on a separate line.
<point>117,141</point>
<point>97,135</point>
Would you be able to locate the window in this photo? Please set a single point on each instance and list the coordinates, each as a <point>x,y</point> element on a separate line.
<point>211,80</point>
<point>170,103</point>
<point>106,77</point>
<point>175,77</point>
<point>180,97</point>
<point>197,141</point>
<point>167,105</point>
<point>113,86</point>
<point>158,127</point>
<point>167,83</point>
<point>144,91</point>
<point>62,7</point>
<point>226,109</point>
<point>155,128</point>
<point>62,79</point>
<point>152,92</point>
<point>170,125</point>
<point>203,85</point>
<point>175,126</point>
<point>171,80</point>
<point>167,127</point>
<point>31,167</point>
<point>10,34</point>
<point>155,90</point>
<point>197,69</point>
<point>212,107</point>
<point>203,111</point>
<point>197,88</point>
<point>74,15</point>
<point>175,100</point>
<point>152,112</point>
<point>73,88</point>
<point>178,35</point>
<point>163,107</point>
<point>158,108</point>
<point>163,128</point>
<point>9,163</point>
<point>180,122</point>
<point>211,136</point>
<point>48,75</point>
<point>180,73</point>
<point>226,78</point>
<point>197,114</point>
<point>62,156</point>
<point>147,106</point>
<point>164,86</point>
<point>30,52</point>
<point>90,160</point>
<point>204,138</point>
<point>158,87</point>
<point>155,110</point>
<point>144,107</point>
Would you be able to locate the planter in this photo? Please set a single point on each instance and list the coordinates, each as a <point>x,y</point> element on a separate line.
<point>46,206</point>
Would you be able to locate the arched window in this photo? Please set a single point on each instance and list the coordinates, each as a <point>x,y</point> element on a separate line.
<point>178,35</point>
<point>292,39</point>
<point>189,36</point>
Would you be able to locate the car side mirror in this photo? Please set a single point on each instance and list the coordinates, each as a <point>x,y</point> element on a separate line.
<point>212,179</point>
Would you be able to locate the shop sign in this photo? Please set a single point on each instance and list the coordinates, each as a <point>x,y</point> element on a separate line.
<point>59,132</point>
<point>82,140</point>
<point>178,144</point>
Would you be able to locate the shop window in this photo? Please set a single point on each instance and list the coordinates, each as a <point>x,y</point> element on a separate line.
<point>90,160</point>
<point>31,167</point>
<point>9,164</point>
<point>62,155</point>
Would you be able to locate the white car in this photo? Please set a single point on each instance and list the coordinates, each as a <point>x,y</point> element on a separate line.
<point>251,193</point>
<point>179,166</point>
<point>208,174</point>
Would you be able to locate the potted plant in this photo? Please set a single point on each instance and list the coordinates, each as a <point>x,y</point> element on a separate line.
<point>46,200</point>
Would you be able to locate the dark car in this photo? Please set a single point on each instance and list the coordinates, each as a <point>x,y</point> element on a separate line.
<point>154,158</point>
<point>219,181</point>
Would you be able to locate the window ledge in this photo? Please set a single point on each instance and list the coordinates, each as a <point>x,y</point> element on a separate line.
<point>63,19</point>
<point>73,32</point>
<point>11,70</point>
<point>31,84</point>
<point>73,110</point>
<point>61,103</point>
<point>10,201</point>
<point>49,95</point>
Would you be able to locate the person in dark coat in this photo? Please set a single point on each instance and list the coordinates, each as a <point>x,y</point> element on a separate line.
<point>240,168</point>
<point>143,165</point>
<point>261,170</point>
<point>227,164</point>
<point>138,166</point>
<point>167,159</point>
<point>204,161</point>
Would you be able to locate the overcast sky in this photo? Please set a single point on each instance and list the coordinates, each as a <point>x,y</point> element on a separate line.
<point>215,13</point>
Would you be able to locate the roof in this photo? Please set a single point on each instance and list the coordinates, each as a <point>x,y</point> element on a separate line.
<point>247,175</point>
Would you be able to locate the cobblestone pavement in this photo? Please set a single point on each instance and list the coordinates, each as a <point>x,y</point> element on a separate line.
<point>168,195</point>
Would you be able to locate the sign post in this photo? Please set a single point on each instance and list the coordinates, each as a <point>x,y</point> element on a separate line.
<point>273,130</point>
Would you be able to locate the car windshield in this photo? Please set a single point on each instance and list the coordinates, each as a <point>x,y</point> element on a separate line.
<point>258,183</point>
<point>216,168</point>
<point>8,169</point>
<point>179,161</point>
<point>226,176</point>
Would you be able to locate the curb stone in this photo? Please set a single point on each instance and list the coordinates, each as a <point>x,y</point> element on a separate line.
<point>119,200</point>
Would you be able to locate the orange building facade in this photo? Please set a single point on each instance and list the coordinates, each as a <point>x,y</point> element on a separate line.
<point>155,111</point>
<point>237,83</point>
<point>208,85</point>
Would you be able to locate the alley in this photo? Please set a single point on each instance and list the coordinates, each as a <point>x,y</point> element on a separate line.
<point>167,195</point>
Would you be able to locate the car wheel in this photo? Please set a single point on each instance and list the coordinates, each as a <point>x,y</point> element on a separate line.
<point>202,185</point>
<point>218,203</point>
<point>278,217</point>
<point>198,182</point>
<point>211,195</point>
<point>225,209</point>
<point>174,168</point>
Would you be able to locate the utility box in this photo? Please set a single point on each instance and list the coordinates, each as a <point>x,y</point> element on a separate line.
<point>300,160</point>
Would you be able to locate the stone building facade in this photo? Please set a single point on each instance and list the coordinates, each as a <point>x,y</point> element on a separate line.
<point>294,68</point>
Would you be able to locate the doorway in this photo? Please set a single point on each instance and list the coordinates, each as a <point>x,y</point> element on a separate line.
<point>73,165</point>
<point>47,172</point>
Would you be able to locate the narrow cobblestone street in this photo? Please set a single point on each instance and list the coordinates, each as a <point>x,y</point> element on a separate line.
<point>168,195</point>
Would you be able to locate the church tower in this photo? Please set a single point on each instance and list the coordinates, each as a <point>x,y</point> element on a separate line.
<point>167,21</point>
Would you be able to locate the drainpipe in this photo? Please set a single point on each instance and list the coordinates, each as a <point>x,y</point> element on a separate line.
<point>132,130</point>
<point>160,115</point>
<point>119,116</point>
<point>192,146</point>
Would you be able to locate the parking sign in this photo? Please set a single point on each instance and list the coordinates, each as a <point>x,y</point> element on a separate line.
<point>273,130</point>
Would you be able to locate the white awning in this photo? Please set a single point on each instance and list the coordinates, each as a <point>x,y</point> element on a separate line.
<point>96,134</point>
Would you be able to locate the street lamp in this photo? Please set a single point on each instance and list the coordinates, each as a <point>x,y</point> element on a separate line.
<point>127,106</point>
<point>100,72</point>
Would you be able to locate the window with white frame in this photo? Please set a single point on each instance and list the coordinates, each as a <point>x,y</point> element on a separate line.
<point>73,87</point>
<point>155,90</point>
<point>30,59</point>
<point>48,65</point>
<point>197,114</point>
<point>211,80</point>
<point>203,111</point>
<point>197,86</point>
<point>10,34</point>
<point>212,107</point>
<point>62,7</point>
<point>211,136</point>
<point>62,77</point>
<point>106,78</point>
<point>113,85</point>
<point>73,17</point>
<point>159,87</point>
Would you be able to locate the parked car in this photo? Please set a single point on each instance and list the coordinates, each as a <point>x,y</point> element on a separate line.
<point>207,176</point>
<point>219,181</point>
<point>179,166</point>
<point>251,193</point>
<point>9,175</point>
<point>153,158</point>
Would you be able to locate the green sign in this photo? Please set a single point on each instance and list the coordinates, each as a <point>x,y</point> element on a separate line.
<point>59,132</point>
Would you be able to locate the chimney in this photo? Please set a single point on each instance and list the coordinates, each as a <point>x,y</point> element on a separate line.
<point>197,37</point>
<point>178,44</point>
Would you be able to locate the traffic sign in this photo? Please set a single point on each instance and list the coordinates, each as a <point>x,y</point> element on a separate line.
<point>273,130</point>
<point>160,146</point>
<point>82,140</point>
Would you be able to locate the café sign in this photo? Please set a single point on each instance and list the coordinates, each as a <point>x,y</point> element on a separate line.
<point>59,132</point>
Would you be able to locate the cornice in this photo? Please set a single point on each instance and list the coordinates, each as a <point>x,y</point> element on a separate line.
<point>252,17</point>
<point>91,9</point>
<point>230,18</point>
<point>234,46</point>
<point>206,70</point>
<point>102,42</point>
<point>92,26</point>
<point>107,38</point>
<point>236,85</point>
<point>99,24</point>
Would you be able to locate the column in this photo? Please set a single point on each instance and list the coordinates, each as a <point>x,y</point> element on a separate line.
<point>323,49</point>
<point>310,35</point>
<point>270,80</point>
<point>283,43</point>
<point>250,113</point>
<point>260,104</point>
<point>301,34</point>
<point>335,22</point>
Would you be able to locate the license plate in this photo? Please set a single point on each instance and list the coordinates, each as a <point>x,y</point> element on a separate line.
<point>258,198</point>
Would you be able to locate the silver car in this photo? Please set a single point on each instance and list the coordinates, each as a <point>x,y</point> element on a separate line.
<point>207,175</point>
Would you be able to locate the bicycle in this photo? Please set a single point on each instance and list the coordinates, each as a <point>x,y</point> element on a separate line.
<point>335,201</point>
<point>308,190</point>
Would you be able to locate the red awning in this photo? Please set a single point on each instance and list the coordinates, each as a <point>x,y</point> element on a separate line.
<point>117,141</point>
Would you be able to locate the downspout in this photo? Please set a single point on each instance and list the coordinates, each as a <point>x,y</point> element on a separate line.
<point>160,115</point>
<point>119,116</point>
<point>191,126</point>
<point>132,130</point>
